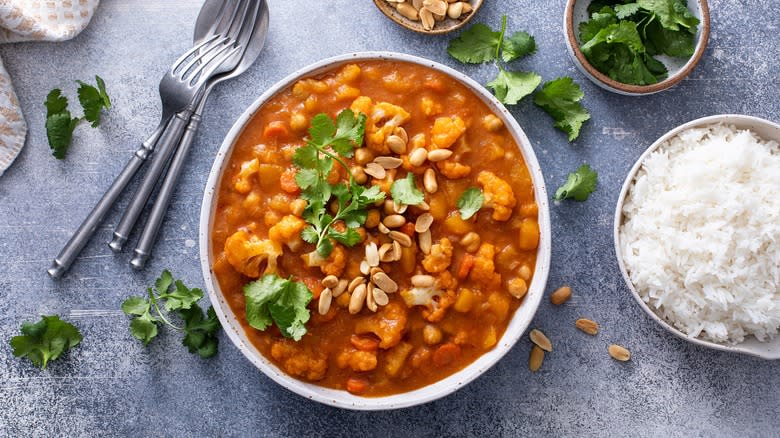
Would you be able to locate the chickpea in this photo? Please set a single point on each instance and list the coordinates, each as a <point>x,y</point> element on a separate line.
<point>492,123</point>
<point>363,155</point>
<point>517,287</point>
<point>525,272</point>
<point>358,174</point>
<point>431,334</point>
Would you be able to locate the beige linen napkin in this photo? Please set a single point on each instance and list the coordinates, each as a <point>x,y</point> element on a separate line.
<point>25,20</point>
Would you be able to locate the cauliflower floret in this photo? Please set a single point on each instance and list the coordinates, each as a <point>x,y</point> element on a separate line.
<point>241,182</point>
<point>388,324</point>
<point>452,169</point>
<point>440,257</point>
<point>287,229</point>
<point>300,362</point>
<point>333,265</point>
<point>246,253</point>
<point>498,195</point>
<point>357,360</point>
<point>484,269</point>
<point>436,299</point>
<point>445,131</point>
<point>382,120</point>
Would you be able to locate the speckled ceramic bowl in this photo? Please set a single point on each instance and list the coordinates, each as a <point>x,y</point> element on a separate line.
<point>764,129</point>
<point>577,12</point>
<point>343,399</point>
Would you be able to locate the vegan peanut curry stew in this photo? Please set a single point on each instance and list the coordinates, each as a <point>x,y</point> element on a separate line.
<point>375,228</point>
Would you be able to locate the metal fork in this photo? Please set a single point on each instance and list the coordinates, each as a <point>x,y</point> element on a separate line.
<point>172,103</point>
<point>175,129</point>
<point>252,38</point>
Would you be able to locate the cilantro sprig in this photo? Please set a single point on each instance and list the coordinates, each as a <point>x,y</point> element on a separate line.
<point>273,299</point>
<point>59,122</point>
<point>405,192</point>
<point>560,98</point>
<point>200,331</point>
<point>480,44</point>
<point>45,340</point>
<point>329,143</point>
<point>579,185</point>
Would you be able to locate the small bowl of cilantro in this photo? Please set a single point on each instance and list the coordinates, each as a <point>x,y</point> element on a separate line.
<point>636,47</point>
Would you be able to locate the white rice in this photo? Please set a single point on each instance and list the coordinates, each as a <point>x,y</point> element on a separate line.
<point>701,234</point>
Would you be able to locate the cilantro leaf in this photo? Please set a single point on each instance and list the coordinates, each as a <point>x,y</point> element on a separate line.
<point>476,45</point>
<point>660,40</point>
<point>405,191</point>
<point>200,332</point>
<point>626,10</point>
<point>306,157</point>
<point>348,237</point>
<point>579,185</point>
<point>510,87</point>
<point>55,102</point>
<point>617,51</point>
<point>181,297</point>
<point>469,202</point>
<point>93,100</point>
<point>518,45</point>
<point>272,299</point>
<point>560,98</point>
<point>45,340</point>
<point>599,20</point>
<point>144,328</point>
<point>349,132</point>
<point>673,14</point>
<point>59,131</point>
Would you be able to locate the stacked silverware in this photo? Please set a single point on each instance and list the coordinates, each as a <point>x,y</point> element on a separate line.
<point>229,35</point>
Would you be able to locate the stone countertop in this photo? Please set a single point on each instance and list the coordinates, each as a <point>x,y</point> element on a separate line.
<point>112,385</point>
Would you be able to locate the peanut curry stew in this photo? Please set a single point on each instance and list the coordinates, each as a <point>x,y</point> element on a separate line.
<point>396,206</point>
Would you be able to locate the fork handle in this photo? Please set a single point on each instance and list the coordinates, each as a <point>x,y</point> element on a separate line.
<point>165,148</point>
<point>152,227</point>
<point>86,230</point>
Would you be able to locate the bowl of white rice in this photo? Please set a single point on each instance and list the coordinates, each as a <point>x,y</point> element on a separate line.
<point>697,233</point>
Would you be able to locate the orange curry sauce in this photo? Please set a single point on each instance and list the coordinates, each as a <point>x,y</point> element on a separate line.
<point>400,347</point>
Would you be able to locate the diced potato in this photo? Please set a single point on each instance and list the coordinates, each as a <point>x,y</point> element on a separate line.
<point>439,208</point>
<point>490,339</point>
<point>465,301</point>
<point>529,234</point>
<point>456,225</point>
<point>499,305</point>
<point>396,357</point>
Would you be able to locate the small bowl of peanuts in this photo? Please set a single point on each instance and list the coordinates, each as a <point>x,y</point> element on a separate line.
<point>429,16</point>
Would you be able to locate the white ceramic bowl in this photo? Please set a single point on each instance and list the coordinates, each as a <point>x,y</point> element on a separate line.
<point>764,129</point>
<point>343,399</point>
<point>577,11</point>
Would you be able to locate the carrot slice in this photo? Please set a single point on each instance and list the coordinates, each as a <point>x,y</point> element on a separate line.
<point>445,354</point>
<point>276,129</point>
<point>357,385</point>
<point>287,181</point>
<point>408,229</point>
<point>465,266</point>
<point>364,343</point>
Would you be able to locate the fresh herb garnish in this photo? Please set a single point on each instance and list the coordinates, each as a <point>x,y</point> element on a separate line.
<point>480,44</point>
<point>405,191</point>
<point>560,98</point>
<point>272,299</point>
<point>200,331</point>
<point>470,202</point>
<point>621,38</point>
<point>579,185</point>
<point>45,340</point>
<point>59,122</point>
<point>93,100</point>
<point>328,143</point>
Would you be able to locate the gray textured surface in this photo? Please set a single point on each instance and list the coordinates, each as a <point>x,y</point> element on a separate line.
<point>111,385</point>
